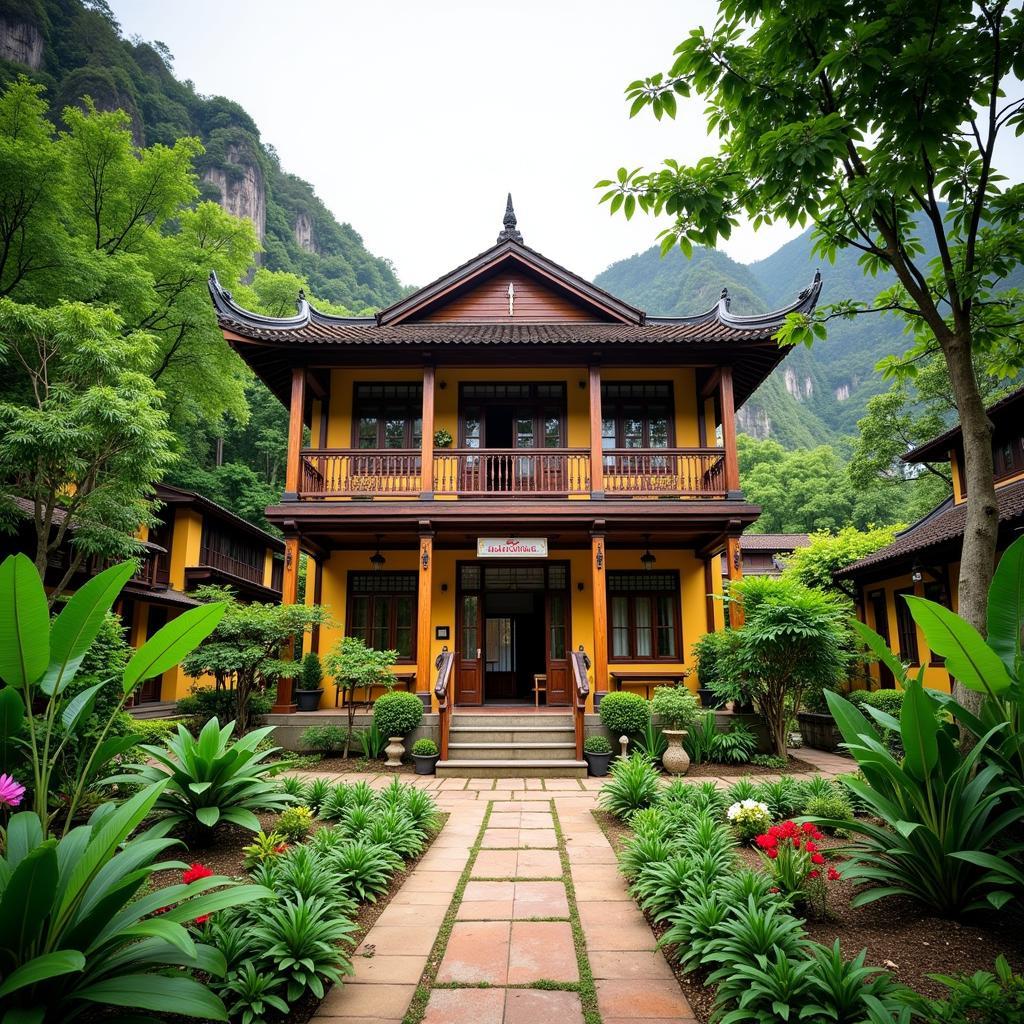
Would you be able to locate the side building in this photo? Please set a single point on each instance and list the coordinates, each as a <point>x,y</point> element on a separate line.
<point>925,558</point>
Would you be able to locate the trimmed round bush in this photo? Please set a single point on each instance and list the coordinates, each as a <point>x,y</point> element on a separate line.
<point>676,706</point>
<point>597,745</point>
<point>425,747</point>
<point>397,714</point>
<point>625,713</point>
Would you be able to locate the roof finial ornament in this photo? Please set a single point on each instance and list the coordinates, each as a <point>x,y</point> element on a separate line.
<point>301,299</point>
<point>509,232</point>
<point>725,297</point>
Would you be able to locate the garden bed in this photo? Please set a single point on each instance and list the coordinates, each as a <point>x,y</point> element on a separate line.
<point>794,766</point>
<point>353,765</point>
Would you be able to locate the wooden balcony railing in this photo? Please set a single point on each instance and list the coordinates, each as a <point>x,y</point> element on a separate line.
<point>236,567</point>
<point>360,473</point>
<point>483,472</point>
<point>528,471</point>
<point>676,472</point>
<point>152,572</point>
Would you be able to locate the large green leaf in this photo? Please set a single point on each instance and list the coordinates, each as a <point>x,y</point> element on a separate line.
<point>171,643</point>
<point>918,730</point>
<point>879,648</point>
<point>24,623</point>
<point>79,708</point>
<point>1006,607</point>
<point>156,992</point>
<point>12,718</point>
<point>969,659</point>
<point>28,897</point>
<point>78,624</point>
<point>49,965</point>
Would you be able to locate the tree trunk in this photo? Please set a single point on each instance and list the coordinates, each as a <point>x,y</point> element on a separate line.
<point>978,557</point>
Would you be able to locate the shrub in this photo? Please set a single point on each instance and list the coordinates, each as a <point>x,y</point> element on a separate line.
<point>784,797</point>
<point>624,714</point>
<point>295,823</point>
<point>314,793</point>
<point>371,741</point>
<point>421,808</point>
<point>714,669</point>
<point>362,870</point>
<point>311,676</point>
<point>633,785</point>
<point>206,702</point>
<point>651,743</point>
<point>742,789</point>
<point>211,780</point>
<point>327,739</point>
<point>250,994</point>
<point>942,812</point>
<point>834,808</point>
<point>676,706</point>
<point>749,818</point>
<point>982,997</point>
<point>424,747</point>
<point>644,850</point>
<point>266,846</point>
<point>791,857</point>
<point>597,745</point>
<point>702,738</point>
<point>735,746</point>
<point>397,714</point>
<point>776,761</point>
<point>395,830</point>
<point>355,666</point>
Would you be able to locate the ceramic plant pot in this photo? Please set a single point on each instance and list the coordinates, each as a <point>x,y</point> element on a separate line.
<point>597,764</point>
<point>395,751</point>
<point>307,700</point>
<point>675,759</point>
<point>425,763</point>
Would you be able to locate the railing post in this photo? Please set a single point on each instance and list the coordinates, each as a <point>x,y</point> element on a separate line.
<point>728,410</point>
<point>296,413</point>
<point>734,564</point>
<point>596,454</point>
<point>427,434</point>
<point>289,595</point>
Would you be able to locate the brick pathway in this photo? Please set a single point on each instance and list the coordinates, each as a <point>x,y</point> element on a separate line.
<point>518,918</point>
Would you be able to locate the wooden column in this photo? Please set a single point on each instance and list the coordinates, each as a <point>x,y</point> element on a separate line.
<point>598,572</point>
<point>596,453</point>
<point>296,413</point>
<point>289,594</point>
<point>318,596</point>
<point>734,561</point>
<point>427,435</point>
<point>728,409</point>
<point>425,567</point>
<point>709,591</point>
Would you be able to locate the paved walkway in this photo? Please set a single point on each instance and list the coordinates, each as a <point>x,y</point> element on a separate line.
<point>516,915</point>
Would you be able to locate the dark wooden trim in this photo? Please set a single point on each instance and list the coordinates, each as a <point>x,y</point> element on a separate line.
<point>349,595</point>
<point>677,596</point>
<point>295,417</point>
<point>619,435</point>
<point>734,559</point>
<point>318,597</point>
<point>533,403</point>
<point>709,597</point>
<point>407,436</point>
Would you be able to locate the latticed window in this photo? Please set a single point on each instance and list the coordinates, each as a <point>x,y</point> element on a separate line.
<point>388,415</point>
<point>382,611</point>
<point>906,628</point>
<point>644,616</point>
<point>636,415</point>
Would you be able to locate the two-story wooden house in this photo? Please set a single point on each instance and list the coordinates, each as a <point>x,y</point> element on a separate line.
<point>195,542</point>
<point>510,466</point>
<point>925,558</point>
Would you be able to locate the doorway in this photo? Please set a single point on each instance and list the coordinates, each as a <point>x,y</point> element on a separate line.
<point>512,624</point>
<point>880,612</point>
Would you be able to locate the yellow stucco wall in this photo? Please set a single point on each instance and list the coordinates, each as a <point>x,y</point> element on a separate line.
<point>185,544</point>
<point>444,588</point>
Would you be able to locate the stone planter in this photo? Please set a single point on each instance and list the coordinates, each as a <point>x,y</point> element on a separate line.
<point>395,751</point>
<point>307,700</point>
<point>676,760</point>
<point>597,764</point>
<point>819,731</point>
<point>425,763</point>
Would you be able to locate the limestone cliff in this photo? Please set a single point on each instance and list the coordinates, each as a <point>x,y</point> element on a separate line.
<point>303,229</point>
<point>240,186</point>
<point>21,42</point>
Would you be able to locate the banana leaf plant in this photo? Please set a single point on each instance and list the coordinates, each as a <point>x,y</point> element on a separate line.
<point>40,657</point>
<point>79,932</point>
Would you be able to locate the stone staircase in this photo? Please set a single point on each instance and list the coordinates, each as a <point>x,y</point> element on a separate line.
<point>512,745</point>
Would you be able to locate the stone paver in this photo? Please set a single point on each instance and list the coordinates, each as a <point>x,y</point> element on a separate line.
<point>504,933</point>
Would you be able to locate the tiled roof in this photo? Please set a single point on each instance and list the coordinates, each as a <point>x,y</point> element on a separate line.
<point>941,526</point>
<point>937,449</point>
<point>773,541</point>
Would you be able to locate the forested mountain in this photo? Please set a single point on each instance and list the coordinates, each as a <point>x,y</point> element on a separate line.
<point>75,48</point>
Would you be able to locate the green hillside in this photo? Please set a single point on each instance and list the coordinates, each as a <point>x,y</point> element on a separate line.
<point>75,48</point>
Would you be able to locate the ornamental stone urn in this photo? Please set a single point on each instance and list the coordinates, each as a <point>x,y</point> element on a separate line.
<point>395,751</point>
<point>675,759</point>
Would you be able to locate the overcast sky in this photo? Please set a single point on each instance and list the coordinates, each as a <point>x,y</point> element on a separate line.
<point>413,118</point>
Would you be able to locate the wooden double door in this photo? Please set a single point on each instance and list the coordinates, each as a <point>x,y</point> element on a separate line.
<point>512,623</point>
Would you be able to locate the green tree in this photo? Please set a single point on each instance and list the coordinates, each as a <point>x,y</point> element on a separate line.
<point>355,666</point>
<point>814,565</point>
<point>250,648</point>
<point>82,431</point>
<point>858,116</point>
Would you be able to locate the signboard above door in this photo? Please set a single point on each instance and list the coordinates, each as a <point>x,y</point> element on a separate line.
<point>512,547</point>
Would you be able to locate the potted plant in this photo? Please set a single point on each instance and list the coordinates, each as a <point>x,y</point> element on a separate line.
<point>677,707</point>
<point>442,438</point>
<point>597,752</point>
<point>308,691</point>
<point>425,755</point>
<point>396,714</point>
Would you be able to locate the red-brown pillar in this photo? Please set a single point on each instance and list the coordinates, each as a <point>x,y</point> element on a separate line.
<point>289,595</point>
<point>728,408</point>
<point>598,573</point>
<point>425,569</point>
<point>296,414</point>
<point>734,561</point>
<point>596,453</point>
<point>427,435</point>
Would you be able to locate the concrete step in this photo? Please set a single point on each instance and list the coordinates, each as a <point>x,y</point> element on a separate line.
<point>512,735</point>
<point>511,752</point>
<point>462,717</point>
<point>509,769</point>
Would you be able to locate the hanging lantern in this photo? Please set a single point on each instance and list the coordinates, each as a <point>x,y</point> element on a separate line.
<point>647,559</point>
<point>377,560</point>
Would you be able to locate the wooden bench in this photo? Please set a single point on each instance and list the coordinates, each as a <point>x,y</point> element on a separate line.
<point>648,681</point>
<point>402,680</point>
<point>540,685</point>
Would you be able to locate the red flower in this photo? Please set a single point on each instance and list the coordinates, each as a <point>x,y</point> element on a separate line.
<point>766,841</point>
<point>194,873</point>
<point>811,846</point>
<point>772,853</point>
<point>281,848</point>
<point>774,888</point>
<point>813,874</point>
<point>817,858</point>
<point>808,828</point>
<point>833,875</point>
<point>796,842</point>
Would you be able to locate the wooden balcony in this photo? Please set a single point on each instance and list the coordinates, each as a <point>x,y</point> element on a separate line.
<point>670,472</point>
<point>528,472</point>
<point>478,472</point>
<point>232,566</point>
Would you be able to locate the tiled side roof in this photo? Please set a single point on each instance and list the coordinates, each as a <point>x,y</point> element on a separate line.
<point>773,541</point>
<point>942,525</point>
<point>937,449</point>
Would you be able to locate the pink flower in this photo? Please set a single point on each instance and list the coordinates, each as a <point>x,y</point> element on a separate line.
<point>11,791</point>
